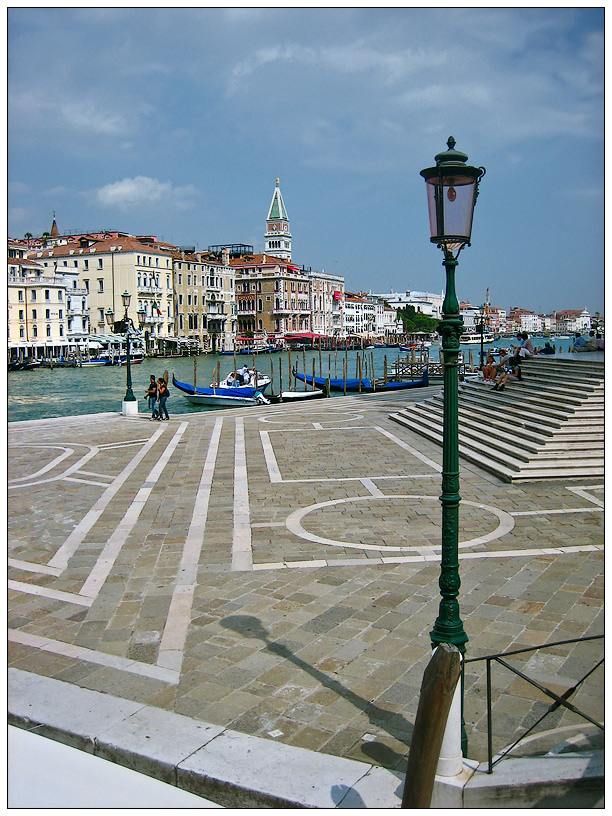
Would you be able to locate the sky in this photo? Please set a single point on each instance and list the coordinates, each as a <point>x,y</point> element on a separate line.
<point>177,123</point>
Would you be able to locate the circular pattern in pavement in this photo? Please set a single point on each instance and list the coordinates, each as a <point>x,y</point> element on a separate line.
<point>413,518</point>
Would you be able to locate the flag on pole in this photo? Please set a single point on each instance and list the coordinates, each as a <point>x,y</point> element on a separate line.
<point>156,307</point>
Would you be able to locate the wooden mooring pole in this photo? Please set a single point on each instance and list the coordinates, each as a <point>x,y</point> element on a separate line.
<point>437,689</point>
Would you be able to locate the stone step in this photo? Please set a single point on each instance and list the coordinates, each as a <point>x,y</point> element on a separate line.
<point>579,363</point>
<point>495,401</point>
<point>511,468</point>
<point>586,380</point>
<point>550,424</point>
<point>521,448</point>
<point>475,417</point>
<point>515,396</point>
<point>577,436</point>
<point>557,395</point>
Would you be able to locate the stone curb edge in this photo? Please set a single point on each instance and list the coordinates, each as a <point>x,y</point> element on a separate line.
<point>239,770</point>
<point>232,769</point>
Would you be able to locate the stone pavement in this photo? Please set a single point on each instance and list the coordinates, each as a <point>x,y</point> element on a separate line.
<point>274,571</point>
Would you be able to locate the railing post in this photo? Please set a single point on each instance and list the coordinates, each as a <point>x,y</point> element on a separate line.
<point>489,715</point>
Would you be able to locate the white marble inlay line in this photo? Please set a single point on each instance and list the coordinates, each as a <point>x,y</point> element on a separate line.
<point>553,512</point>
<point>93,450</point>
<point>242,552</point>
<point>413,451</point>
<point>407,559</point>
<point>177,623</point>
<point>76,537</point>
<point>92,656</point>
<point>30,566</point>
<point>45,592</point>
<point>46,468</point>
<point>107,557</point>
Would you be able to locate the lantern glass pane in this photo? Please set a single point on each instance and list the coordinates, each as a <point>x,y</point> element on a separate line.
<point>451,206</point>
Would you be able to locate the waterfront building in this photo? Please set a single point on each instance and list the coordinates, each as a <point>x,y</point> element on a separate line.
<point>424,302</point>
<point>275,296</point>
<point>497,320</point>
<point>531,323</point>
<point>204,298</point>
<point>392,327</point>
<point>326,303</point>
<point>470,315</point>
<point>272,296</point>
<point>569,321</point>
<point>48,313</point>
<point>359,315</point>
<point>109,266</point>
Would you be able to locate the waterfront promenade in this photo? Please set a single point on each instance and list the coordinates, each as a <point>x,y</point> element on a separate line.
<point>274,572</point>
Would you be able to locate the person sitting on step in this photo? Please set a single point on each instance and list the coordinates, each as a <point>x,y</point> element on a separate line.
<point>511,371</point>
<point>489,369</point>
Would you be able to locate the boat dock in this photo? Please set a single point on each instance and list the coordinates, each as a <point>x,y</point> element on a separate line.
<point>239,602</point>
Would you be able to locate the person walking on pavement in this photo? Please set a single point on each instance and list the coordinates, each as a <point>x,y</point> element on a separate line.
<point>151,393</point>
<point>163,394</point>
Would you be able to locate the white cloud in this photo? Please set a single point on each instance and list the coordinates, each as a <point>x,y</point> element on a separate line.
<point>91,117</point>
<point>142,191</point>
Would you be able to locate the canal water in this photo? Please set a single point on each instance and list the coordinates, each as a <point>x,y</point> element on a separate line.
<point>43,393</point>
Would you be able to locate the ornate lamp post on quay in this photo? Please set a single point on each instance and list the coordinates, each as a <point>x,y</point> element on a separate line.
<point>452,189</point>
<point>129,406</point>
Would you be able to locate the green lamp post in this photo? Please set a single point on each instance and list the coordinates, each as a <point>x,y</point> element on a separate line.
<point>126,326</point>
<point>452,188</point>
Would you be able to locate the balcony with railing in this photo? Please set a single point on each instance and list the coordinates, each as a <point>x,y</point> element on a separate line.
<point>149,290</point>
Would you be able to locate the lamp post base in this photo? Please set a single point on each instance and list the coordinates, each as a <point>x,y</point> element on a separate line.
<point>129,408</point>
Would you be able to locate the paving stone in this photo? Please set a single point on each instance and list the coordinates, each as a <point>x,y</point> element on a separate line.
<point>336,644</point>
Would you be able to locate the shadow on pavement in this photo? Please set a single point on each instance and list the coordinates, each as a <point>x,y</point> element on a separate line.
<point>395,725</point>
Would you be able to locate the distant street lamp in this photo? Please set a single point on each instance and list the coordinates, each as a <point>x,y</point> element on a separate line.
<point>481,328</point>
<point>126,326</point>
<point>452,189</point>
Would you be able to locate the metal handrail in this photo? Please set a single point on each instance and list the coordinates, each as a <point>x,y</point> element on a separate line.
<point>558,700</point>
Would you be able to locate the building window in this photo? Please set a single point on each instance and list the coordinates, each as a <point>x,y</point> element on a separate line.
<point>61,314</point>
<point>47,295</point>
<point>34,315</point>
<point>61,331</point>
<point>21,314</point>
<point>180,279</point>
<point>100,284</point>
<point>60,294</point>
<point>22,332</point>
<point>86,284</point>
<point>48,314</point>
<point>101,315</point>
<point>100,263</point>
<point>48,331</point>
<point>20,296</point>
<point>35,332</point>
<point>180,300</point>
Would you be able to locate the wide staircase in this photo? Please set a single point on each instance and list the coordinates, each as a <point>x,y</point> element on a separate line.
<point>549,425</point>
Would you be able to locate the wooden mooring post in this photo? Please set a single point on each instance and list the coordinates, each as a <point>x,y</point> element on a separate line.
<point>437,689</point>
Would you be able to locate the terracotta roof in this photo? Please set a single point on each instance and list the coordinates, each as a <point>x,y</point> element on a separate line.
<point>23,262</point>
<point>127,244</point>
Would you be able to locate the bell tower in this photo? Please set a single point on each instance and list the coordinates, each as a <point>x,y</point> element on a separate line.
<point>278,236</point>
